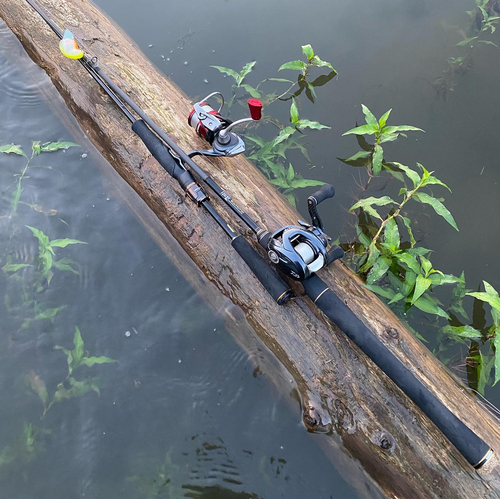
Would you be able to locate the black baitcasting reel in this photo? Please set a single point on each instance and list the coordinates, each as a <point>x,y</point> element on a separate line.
<point>299,252</point>
<point>217,130</point>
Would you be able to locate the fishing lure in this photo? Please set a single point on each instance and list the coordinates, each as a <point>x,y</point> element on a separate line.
<point>69,47</point>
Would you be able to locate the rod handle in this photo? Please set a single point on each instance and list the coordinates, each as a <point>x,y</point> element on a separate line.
<point>471,446</point>
<point>274,284</point>
<point>334,253</point>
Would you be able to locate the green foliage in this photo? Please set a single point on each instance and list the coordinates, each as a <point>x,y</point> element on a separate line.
<point>373,155</point>
<point>26,447</point>
<point>271,156</point>
<point>70,387</point>
<point>36,149</point>
<point>46,254</point>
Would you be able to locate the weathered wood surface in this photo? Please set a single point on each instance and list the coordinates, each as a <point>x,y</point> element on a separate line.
<point>352,397</point>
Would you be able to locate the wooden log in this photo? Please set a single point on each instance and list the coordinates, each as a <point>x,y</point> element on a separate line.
<point>338,384</point>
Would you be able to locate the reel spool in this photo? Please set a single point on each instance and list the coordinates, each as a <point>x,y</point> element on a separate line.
<point>298,252</point>
<point>206,120</point>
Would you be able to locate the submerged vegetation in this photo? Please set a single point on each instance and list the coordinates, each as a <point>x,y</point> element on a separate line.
<point>27,304</point>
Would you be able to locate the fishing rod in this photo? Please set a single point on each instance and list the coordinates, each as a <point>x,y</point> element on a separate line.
<point>298,251</point>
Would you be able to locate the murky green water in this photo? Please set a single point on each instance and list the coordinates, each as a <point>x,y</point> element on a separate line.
<point>168,410</point>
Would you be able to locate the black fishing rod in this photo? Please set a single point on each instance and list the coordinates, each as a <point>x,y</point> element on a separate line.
<point>298,251</point>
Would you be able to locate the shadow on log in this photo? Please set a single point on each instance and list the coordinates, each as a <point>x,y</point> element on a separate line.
<point>343,394</point>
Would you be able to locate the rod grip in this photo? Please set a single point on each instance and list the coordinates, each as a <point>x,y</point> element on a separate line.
<point>334,253</point>
<point>274,284</point>
<point>473,448</point>
<point>158,149</point>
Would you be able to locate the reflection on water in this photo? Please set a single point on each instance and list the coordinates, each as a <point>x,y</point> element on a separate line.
<point>183,412</point>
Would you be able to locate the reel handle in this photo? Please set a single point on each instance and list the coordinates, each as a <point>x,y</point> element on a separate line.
<point>326,192</point>
<point>334,253</point>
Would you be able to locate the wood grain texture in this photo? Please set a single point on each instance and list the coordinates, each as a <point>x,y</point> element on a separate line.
<point>358,406</point>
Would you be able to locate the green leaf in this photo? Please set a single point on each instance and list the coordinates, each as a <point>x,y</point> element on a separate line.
<point>400,128</point>
<point>363,203</point>
<point>46,260</point>
<point>422,284</point>
<point>373,254</point>
<point>91,361</point>
<point>388,138</point>
<point>494,301</point>
<point>358,155</point>
<point>391,235</point>
<point>14,267</point>
<point>378,270</point>
<point>78,349</point>
<point>409,260</point>
<point>428,306</point>
<point>55,146</point>
<point>490,289</point>
<point>227,71</point>
<point>407,223</point>
<point>294,112</point>
<point>488,42</point>
<point>458,294</point>
<point>63,264</point>
<point>369,118</point>
<point>433,180</point>
<point>308,51</point>
<point>294,65</point>
<point>310,124</point>
<point>62,243</point>
<point>465,42</point>
<point>316,61</point>
<point>303,182</point>
<point>462,331</point>
<point>49,313</point>
<point>16,196</point>
<point>252,91</point>
<point>362,130</point>
<point>385,292</point>
<point>438,207</point>
<point>378,156</point>
<point>397,297</point>
<point>383,119</point>
<point>426,265</point>
<point>284,134</point>
<point>42,238</point>
<point>12,149</point>
<point>247,68</point>
<point>411,174</point>
<point>496,344</point>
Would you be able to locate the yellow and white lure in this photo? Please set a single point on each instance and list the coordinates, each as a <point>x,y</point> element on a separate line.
<point>69,47</point>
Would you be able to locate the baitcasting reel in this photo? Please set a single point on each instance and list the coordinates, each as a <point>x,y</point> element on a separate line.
<point>299,252</point>
<point>217,130</point>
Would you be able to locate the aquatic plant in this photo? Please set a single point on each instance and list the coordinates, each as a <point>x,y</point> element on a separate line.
<point>25,448</point>
<point>70,387</point>
<point>271,156</point>
<point>36,149</point>
<point>400,271</point>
